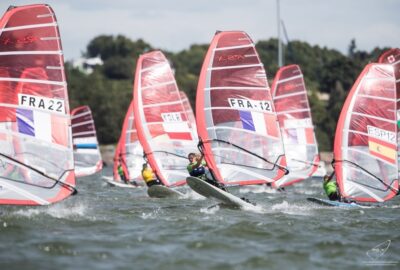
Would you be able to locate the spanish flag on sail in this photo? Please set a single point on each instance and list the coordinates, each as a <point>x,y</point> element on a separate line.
<point>382,149</point>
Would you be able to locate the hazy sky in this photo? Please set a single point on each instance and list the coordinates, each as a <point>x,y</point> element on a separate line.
<point>176,24</point>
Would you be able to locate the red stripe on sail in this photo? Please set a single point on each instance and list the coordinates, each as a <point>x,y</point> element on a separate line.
<point>179,136</point>
<point>272,127</point>
<point>310,135</point>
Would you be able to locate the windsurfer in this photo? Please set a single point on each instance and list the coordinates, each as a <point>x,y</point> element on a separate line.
<point>198,168</point>
<point>149,176</point>
<point>197,165</point>
<point>330,187</point>
<point>121,173</point>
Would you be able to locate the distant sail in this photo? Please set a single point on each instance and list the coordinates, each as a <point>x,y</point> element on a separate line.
<point>365,150</point>
<point>129,151</point>
<point>236,119</point>
<point>86,147</point>
<point>189,113</point>
<point>161,121</point>
<point>36,153</point>
<point>294,115</point>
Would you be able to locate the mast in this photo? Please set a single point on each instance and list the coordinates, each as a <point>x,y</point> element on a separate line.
<point>280,61</point>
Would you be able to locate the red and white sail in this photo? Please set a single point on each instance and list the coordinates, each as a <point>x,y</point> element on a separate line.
<point>161,121</point>
<point>365,150</point>
<point>129,151</point>
<point>86,147</point>
<point>292,107</point>
<point>236,118</point>
<point>189,113</point>
<point>36,153</point>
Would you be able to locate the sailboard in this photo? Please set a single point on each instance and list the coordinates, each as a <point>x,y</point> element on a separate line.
<point>326,202</point>
<point>161,120</point>
<point>290,98</point>
<point>36,152</point>
<point>365,147</point>
<point>160,191</point>
<point>209,191</point>
<point>87,155</point>
<point>128,153</point>
<point>236,119</point>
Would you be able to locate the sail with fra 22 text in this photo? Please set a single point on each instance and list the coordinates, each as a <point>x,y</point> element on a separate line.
<point>36,153</point>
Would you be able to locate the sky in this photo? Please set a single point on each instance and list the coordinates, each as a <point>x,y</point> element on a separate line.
<point>174,25</point>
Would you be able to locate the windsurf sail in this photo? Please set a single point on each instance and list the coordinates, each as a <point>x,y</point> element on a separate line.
<point>86,148</point>
<point>129,151</point>
<point>36,153</point>
<point>189,113</point>
<point>161,121</point>
<point>236,118</point>
<point>294,114</point>
<point>365,148</point>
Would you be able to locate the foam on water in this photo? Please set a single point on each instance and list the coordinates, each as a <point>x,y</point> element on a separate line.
<point>257,189</point>
<point>192,195</point>
<point>152,214</point>
<point>293,208</point>
<point>211,210</point>
<point>60,211</point>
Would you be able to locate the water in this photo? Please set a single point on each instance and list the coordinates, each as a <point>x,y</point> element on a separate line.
<point>113,228</point>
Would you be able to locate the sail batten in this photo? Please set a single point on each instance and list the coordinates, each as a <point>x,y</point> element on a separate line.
<point>31,26</point>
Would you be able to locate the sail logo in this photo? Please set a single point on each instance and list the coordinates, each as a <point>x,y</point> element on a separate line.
<point>53,105</point>
<point>391,59</point>
<point>381,134</point>
<point>250,105</point>
<point>231,57</point>
<point>292,86</point>
<point>171,117</point>
<point>25,40</point>
<point>382,144</point>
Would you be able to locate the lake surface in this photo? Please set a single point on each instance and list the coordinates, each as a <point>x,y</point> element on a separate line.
<point>107,227</point>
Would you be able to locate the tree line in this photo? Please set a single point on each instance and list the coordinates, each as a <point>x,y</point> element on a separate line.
<point>108,89</point>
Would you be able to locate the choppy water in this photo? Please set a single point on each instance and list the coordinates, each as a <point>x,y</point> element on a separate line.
<point>113,228</point>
